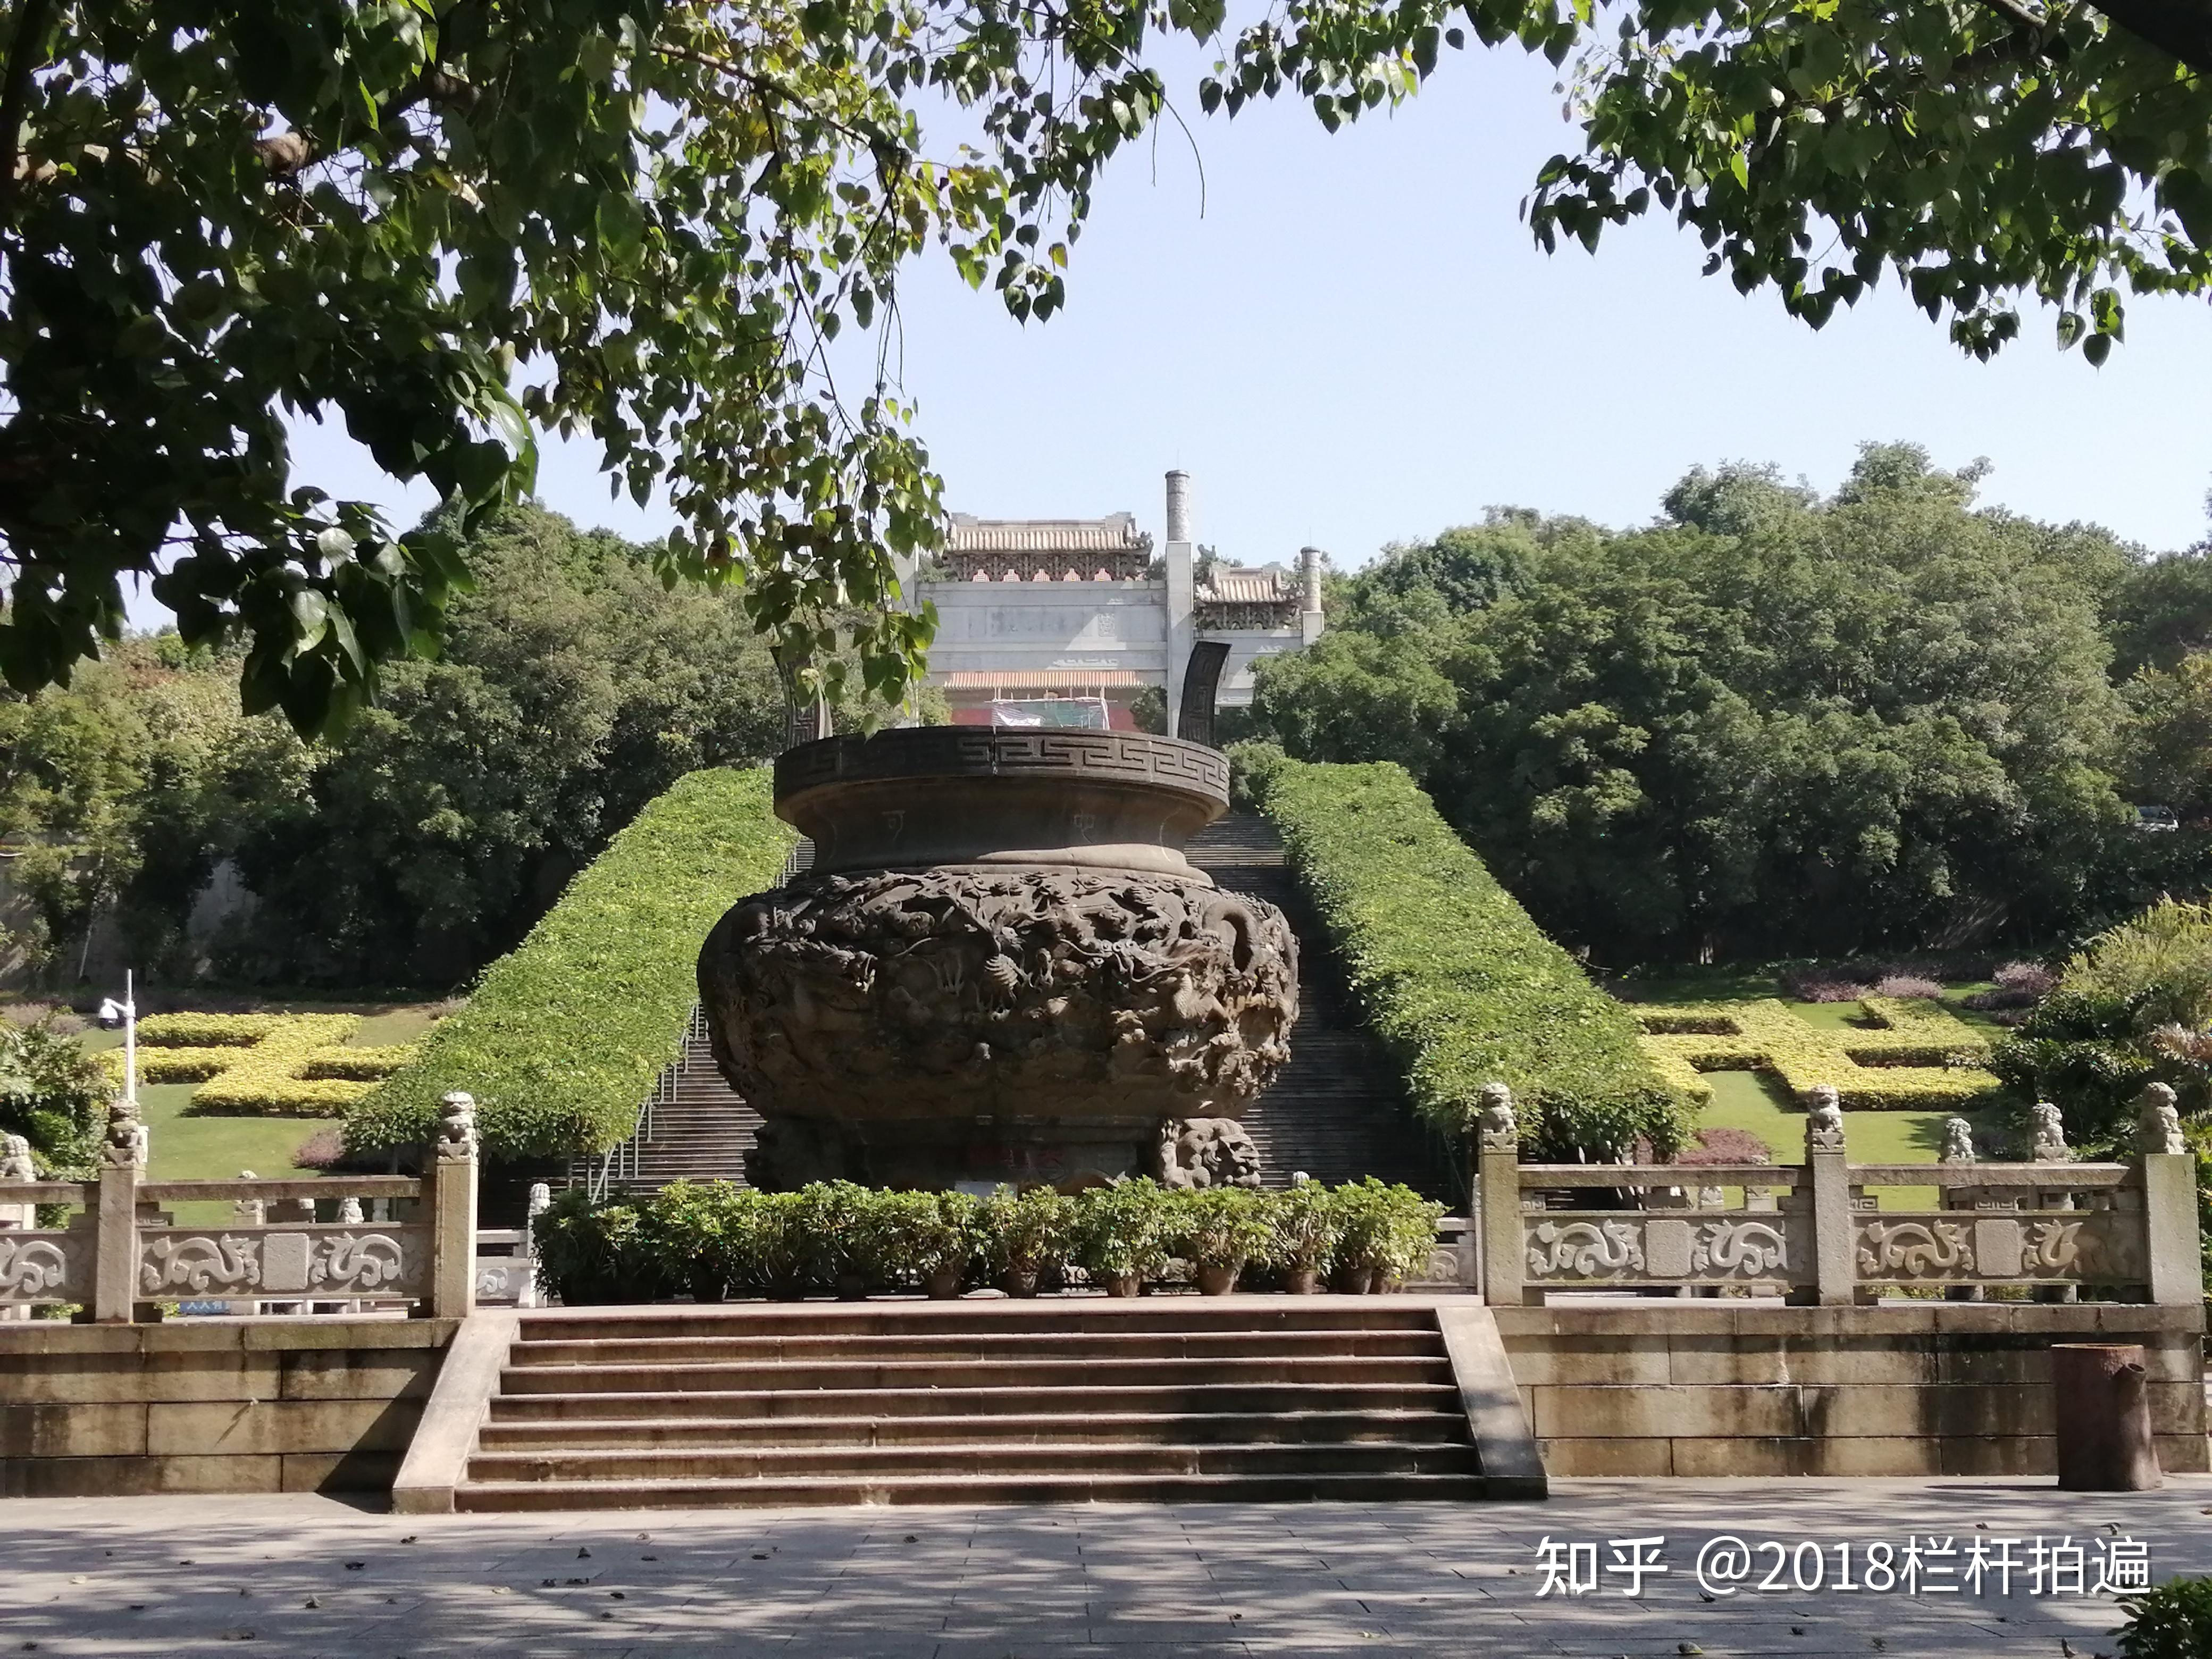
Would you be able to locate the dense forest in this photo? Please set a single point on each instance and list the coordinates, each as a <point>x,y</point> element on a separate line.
<point>1776,724</point>
<point>574,689</point>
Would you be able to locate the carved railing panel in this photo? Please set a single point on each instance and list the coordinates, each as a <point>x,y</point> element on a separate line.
<point>2070,1247</point>
<point>43,1264</point>
<point>344,1261</point>
<point>1591,1248</point>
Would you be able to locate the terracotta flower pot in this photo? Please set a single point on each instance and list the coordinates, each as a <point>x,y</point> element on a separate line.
<point>1218,1278</point>
<point>1352,1281</point>
<point>944,1285</point>
<point>852,1287</point>
<point>1124,1284</point>
<point>1019,1281</point>
<point>1300,1281</point>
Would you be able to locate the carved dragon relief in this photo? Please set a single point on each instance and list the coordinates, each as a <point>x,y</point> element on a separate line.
<point>949,991</point>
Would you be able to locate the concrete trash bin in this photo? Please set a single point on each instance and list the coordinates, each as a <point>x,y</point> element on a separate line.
<point>2102,1407</point>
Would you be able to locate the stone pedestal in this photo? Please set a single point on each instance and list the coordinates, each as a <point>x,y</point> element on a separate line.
<point>1002,966</point>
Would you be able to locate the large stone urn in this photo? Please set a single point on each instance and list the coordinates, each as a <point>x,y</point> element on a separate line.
<point>1001,967</point>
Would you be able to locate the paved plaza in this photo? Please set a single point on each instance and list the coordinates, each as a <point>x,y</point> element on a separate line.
<point>305,1576</point>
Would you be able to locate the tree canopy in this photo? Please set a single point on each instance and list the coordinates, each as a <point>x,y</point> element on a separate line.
<point>451,224</point>
<point>1772,722</point>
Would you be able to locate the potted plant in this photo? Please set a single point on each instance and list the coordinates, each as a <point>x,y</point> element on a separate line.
<point>1218,1228</point>
<point>1305,1226</point>
<point>1389,1232</point>
<point>1025,1233</point>
<point>828,1231</point>
<point>682,1228</point>
<point>593,1253</point>
<point>919,1238</point>
<point>1119,1236</point>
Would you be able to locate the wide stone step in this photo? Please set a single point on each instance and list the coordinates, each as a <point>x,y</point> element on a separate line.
<point>1171,1315</point>
<point>545,1495</point>
<point>977,1345</point>
<point>952,1375</point>
<point>993,1400</point>
<point>987,1459</point>
<point>709,1433</point>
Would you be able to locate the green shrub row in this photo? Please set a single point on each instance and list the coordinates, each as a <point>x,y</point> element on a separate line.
<point>565,1035</point>
<point>713,1240</point>
<point>206,1030</point>
<point>1460,985</point>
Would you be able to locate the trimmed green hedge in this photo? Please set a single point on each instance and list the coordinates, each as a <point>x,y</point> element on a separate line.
<point>1462,988</point>
<point>565,1035</point>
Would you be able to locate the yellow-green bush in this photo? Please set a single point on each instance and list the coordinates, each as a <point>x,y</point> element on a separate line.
<point>206,1030</point>
<point>292,1066</point>
<point>268,1079</point>
<point>1918,1057</point>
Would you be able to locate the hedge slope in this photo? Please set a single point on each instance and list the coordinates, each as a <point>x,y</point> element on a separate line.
<point>564,1035</point>
<point>1461,987</point>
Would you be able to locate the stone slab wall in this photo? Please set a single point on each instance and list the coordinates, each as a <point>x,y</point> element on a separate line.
<point>1683,1387</point>
<point>212,1405</point>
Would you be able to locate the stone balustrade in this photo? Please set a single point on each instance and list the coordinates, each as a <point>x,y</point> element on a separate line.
<point>1816,1232</point>
<point>399,1240</point>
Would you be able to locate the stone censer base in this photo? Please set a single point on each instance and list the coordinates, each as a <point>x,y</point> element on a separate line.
<point>1002,967</point>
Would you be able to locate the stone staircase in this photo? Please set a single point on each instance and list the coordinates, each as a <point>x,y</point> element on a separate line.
<point>1338,1111</point>
<point>1166,1399</point>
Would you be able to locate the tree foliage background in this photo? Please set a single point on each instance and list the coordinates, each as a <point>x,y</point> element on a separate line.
<point>1773,723</point>
<point>574,689</point>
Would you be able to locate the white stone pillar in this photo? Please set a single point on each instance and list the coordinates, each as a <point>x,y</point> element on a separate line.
<point>1182,592</point>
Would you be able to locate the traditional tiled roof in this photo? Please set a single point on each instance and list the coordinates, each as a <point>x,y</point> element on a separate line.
<point>1026,548</point>
<point>1040,679</point>
<point>1238,587</point>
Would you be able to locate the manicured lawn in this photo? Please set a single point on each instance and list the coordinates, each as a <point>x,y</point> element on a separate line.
<point>202,1147</point>
<point>1753,1101</point>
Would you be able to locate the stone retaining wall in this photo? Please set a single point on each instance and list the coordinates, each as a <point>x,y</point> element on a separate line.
<point>212,1405</point>
<point>1703,1388</point>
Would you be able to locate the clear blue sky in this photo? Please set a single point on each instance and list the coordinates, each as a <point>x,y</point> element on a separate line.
<point>1358,343</point>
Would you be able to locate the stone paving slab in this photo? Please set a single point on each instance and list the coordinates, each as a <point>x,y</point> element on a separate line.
<point>302,1576</point>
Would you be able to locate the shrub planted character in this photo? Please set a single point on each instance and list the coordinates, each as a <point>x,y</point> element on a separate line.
<point>1306,1223</point>
<point>1120,1233</point>
<point>1219,1229</point>
<point>1026,1234</point>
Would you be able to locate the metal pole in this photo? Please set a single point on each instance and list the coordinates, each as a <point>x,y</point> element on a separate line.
<point>130,1043</point>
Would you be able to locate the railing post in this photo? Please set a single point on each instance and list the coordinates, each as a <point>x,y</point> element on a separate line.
<point>115,1237</point>
<point>452,1181</point>
<point>1826,1206</point>
<point>2169,1192</point>
<point>1498,1196</point>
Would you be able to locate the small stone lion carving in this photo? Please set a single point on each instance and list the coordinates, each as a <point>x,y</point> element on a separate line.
<point>1205,1152</point>
<point>1824,1120</point>
<point>2048,1137</point>
<point>457,1125</point>
<point>1958,1142</point>
<point>2158,1121</point>
<point>15,1159</point>
<point>1494,1118</point>
<point>126,1142</point>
